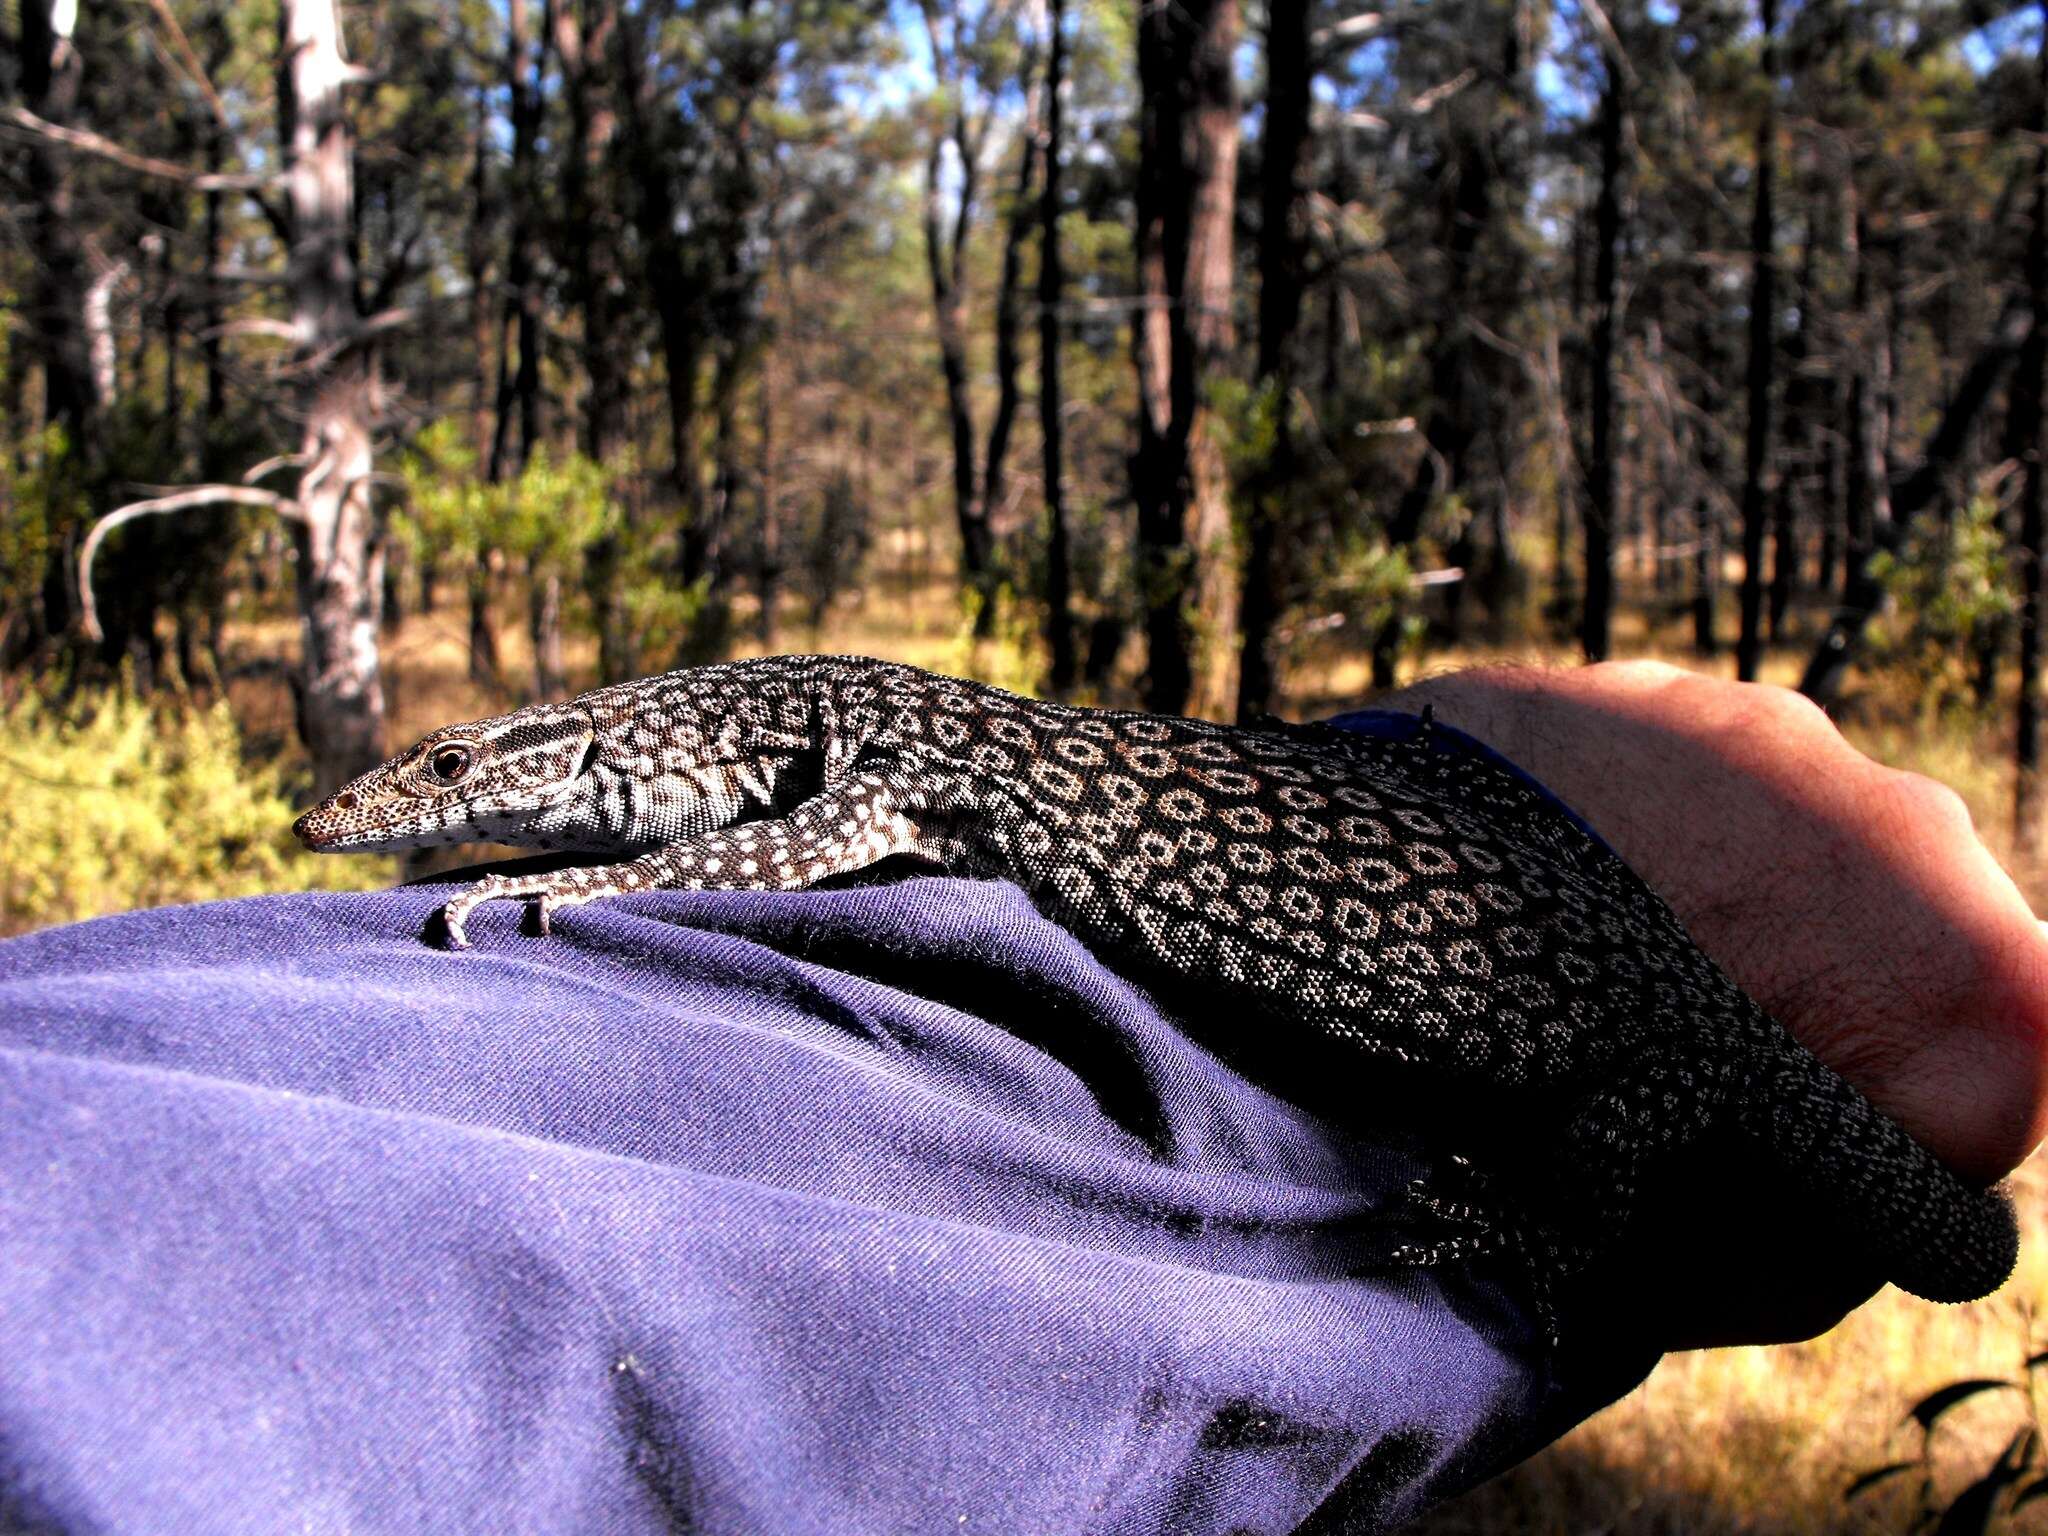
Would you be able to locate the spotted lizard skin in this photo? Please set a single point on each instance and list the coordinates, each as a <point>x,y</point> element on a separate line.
<point>1422,913</point>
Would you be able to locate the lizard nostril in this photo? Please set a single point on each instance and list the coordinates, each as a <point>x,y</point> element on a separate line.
<point>345,802</point>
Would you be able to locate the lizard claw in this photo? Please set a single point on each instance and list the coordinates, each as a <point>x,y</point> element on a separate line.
<point>452,920</point>
<point>1467,1219</point>
<point>455,915</point>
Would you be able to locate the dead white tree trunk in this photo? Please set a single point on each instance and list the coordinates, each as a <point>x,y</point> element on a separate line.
<point>334,365</point>
<point>99,331</point>
<point>332,377</point>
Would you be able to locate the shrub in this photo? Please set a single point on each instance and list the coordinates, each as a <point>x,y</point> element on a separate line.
<point>1953,595</point>
<point>113,802</point>
<point>2016,1477</point>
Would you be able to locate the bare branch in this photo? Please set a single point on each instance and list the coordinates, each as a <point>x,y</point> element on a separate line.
<point>191,62</point>
<point>365,330</point>
<point>1611,49</point>
<point>256,325</point>
<point>177,501</point>
<point>87,143</point>
<point>1352,29</point>
<point>1502,345</point>
<point>1417,106</point>
<point>385,320</point>
<point>270,466</point>
<point>401,269</point>
<point>260,275</point>
<point>1436,95</point>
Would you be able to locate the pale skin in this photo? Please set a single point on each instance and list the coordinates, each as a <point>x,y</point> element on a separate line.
<point>1854,902</point>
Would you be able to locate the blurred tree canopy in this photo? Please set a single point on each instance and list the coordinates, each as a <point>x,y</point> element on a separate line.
<point>1203,337</point>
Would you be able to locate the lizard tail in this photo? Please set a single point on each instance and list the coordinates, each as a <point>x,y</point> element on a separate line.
<point>1933,1234</point>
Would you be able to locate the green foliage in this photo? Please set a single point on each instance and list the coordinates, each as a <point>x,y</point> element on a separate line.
<point>449,509</point>
<point>548,518</point>
<point>1366,581</point>
<point>548,515</point>
<point>662,612</point>
<point>1952,594</point>
<point>557,509</point>
<point>1010,656</point>
<point>1246,420</point>
<point>116,802</point>
<point>38,495</point>
<point>828,543</point>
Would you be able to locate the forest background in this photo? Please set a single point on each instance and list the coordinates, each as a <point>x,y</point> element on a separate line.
<point>366,369</point>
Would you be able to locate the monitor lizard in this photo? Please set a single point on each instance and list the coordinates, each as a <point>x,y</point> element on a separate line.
<point>1421,907</point>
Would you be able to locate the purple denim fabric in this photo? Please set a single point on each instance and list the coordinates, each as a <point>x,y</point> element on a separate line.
<point>880,1209</point>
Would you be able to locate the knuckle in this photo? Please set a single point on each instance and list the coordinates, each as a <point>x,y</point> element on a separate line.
<point>1765,709</point>
<point>1795,709</point>
<point>1640,672</point>
<point>1927,802</point>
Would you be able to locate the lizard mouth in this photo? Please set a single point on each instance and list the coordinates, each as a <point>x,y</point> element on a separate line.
<point>308,830</point>
<point>325,828</point>
<point>317,832</point>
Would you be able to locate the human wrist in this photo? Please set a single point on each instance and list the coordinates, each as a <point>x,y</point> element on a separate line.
<point>1853,902</point>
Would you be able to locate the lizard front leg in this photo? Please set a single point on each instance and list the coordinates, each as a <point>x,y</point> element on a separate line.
<point>841,830</point>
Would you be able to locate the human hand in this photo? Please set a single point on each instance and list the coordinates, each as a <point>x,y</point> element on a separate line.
<point>1853,902</point>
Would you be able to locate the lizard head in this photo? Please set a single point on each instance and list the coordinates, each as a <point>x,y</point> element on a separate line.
<point>509,779</point>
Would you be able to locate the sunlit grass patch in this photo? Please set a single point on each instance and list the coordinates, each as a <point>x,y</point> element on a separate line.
<point>114,802</point>
<point>1728,1441</point>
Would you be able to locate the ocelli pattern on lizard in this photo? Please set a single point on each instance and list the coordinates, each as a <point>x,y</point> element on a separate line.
<point>1427,915</point>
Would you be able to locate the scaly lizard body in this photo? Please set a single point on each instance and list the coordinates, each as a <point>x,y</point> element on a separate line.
<point>1418,906</point>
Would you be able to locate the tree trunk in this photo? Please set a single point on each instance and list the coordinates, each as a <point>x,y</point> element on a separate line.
<point>1283,274</point>
<point>682,342</point>
<point>582,37</point>
<point>1865,485</point>
<point>485,670</point>
<point>1597,615</point>
<point>1706,589</point>
<point>676,284</point>
<point>2027,438</point>
<point>583,34</point>
<point>340,551</point>
<point>712,625</point>
<point>206,595</point>
<point>1708,531</point>
<point>1763,318</point>
<point>945,261</point>
<point>1834,477</point>
<point>50,79</point>
<point>1187,173</point>
<point>213,403</point>
<point>1009,320</point>
<point>485,332</point>
<point>1564,596</point>
<point>544,628</point>
<point>522,267</point>
<point>1059,617</point>
<point>1799,403</point>
<point>768,547</point>
<point>477,240</point>
<point>1831,659</point>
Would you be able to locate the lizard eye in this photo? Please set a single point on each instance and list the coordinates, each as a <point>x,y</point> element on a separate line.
<point>448,764</point>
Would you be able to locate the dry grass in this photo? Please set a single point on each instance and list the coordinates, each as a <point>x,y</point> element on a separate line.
<point>1766,1440</point>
